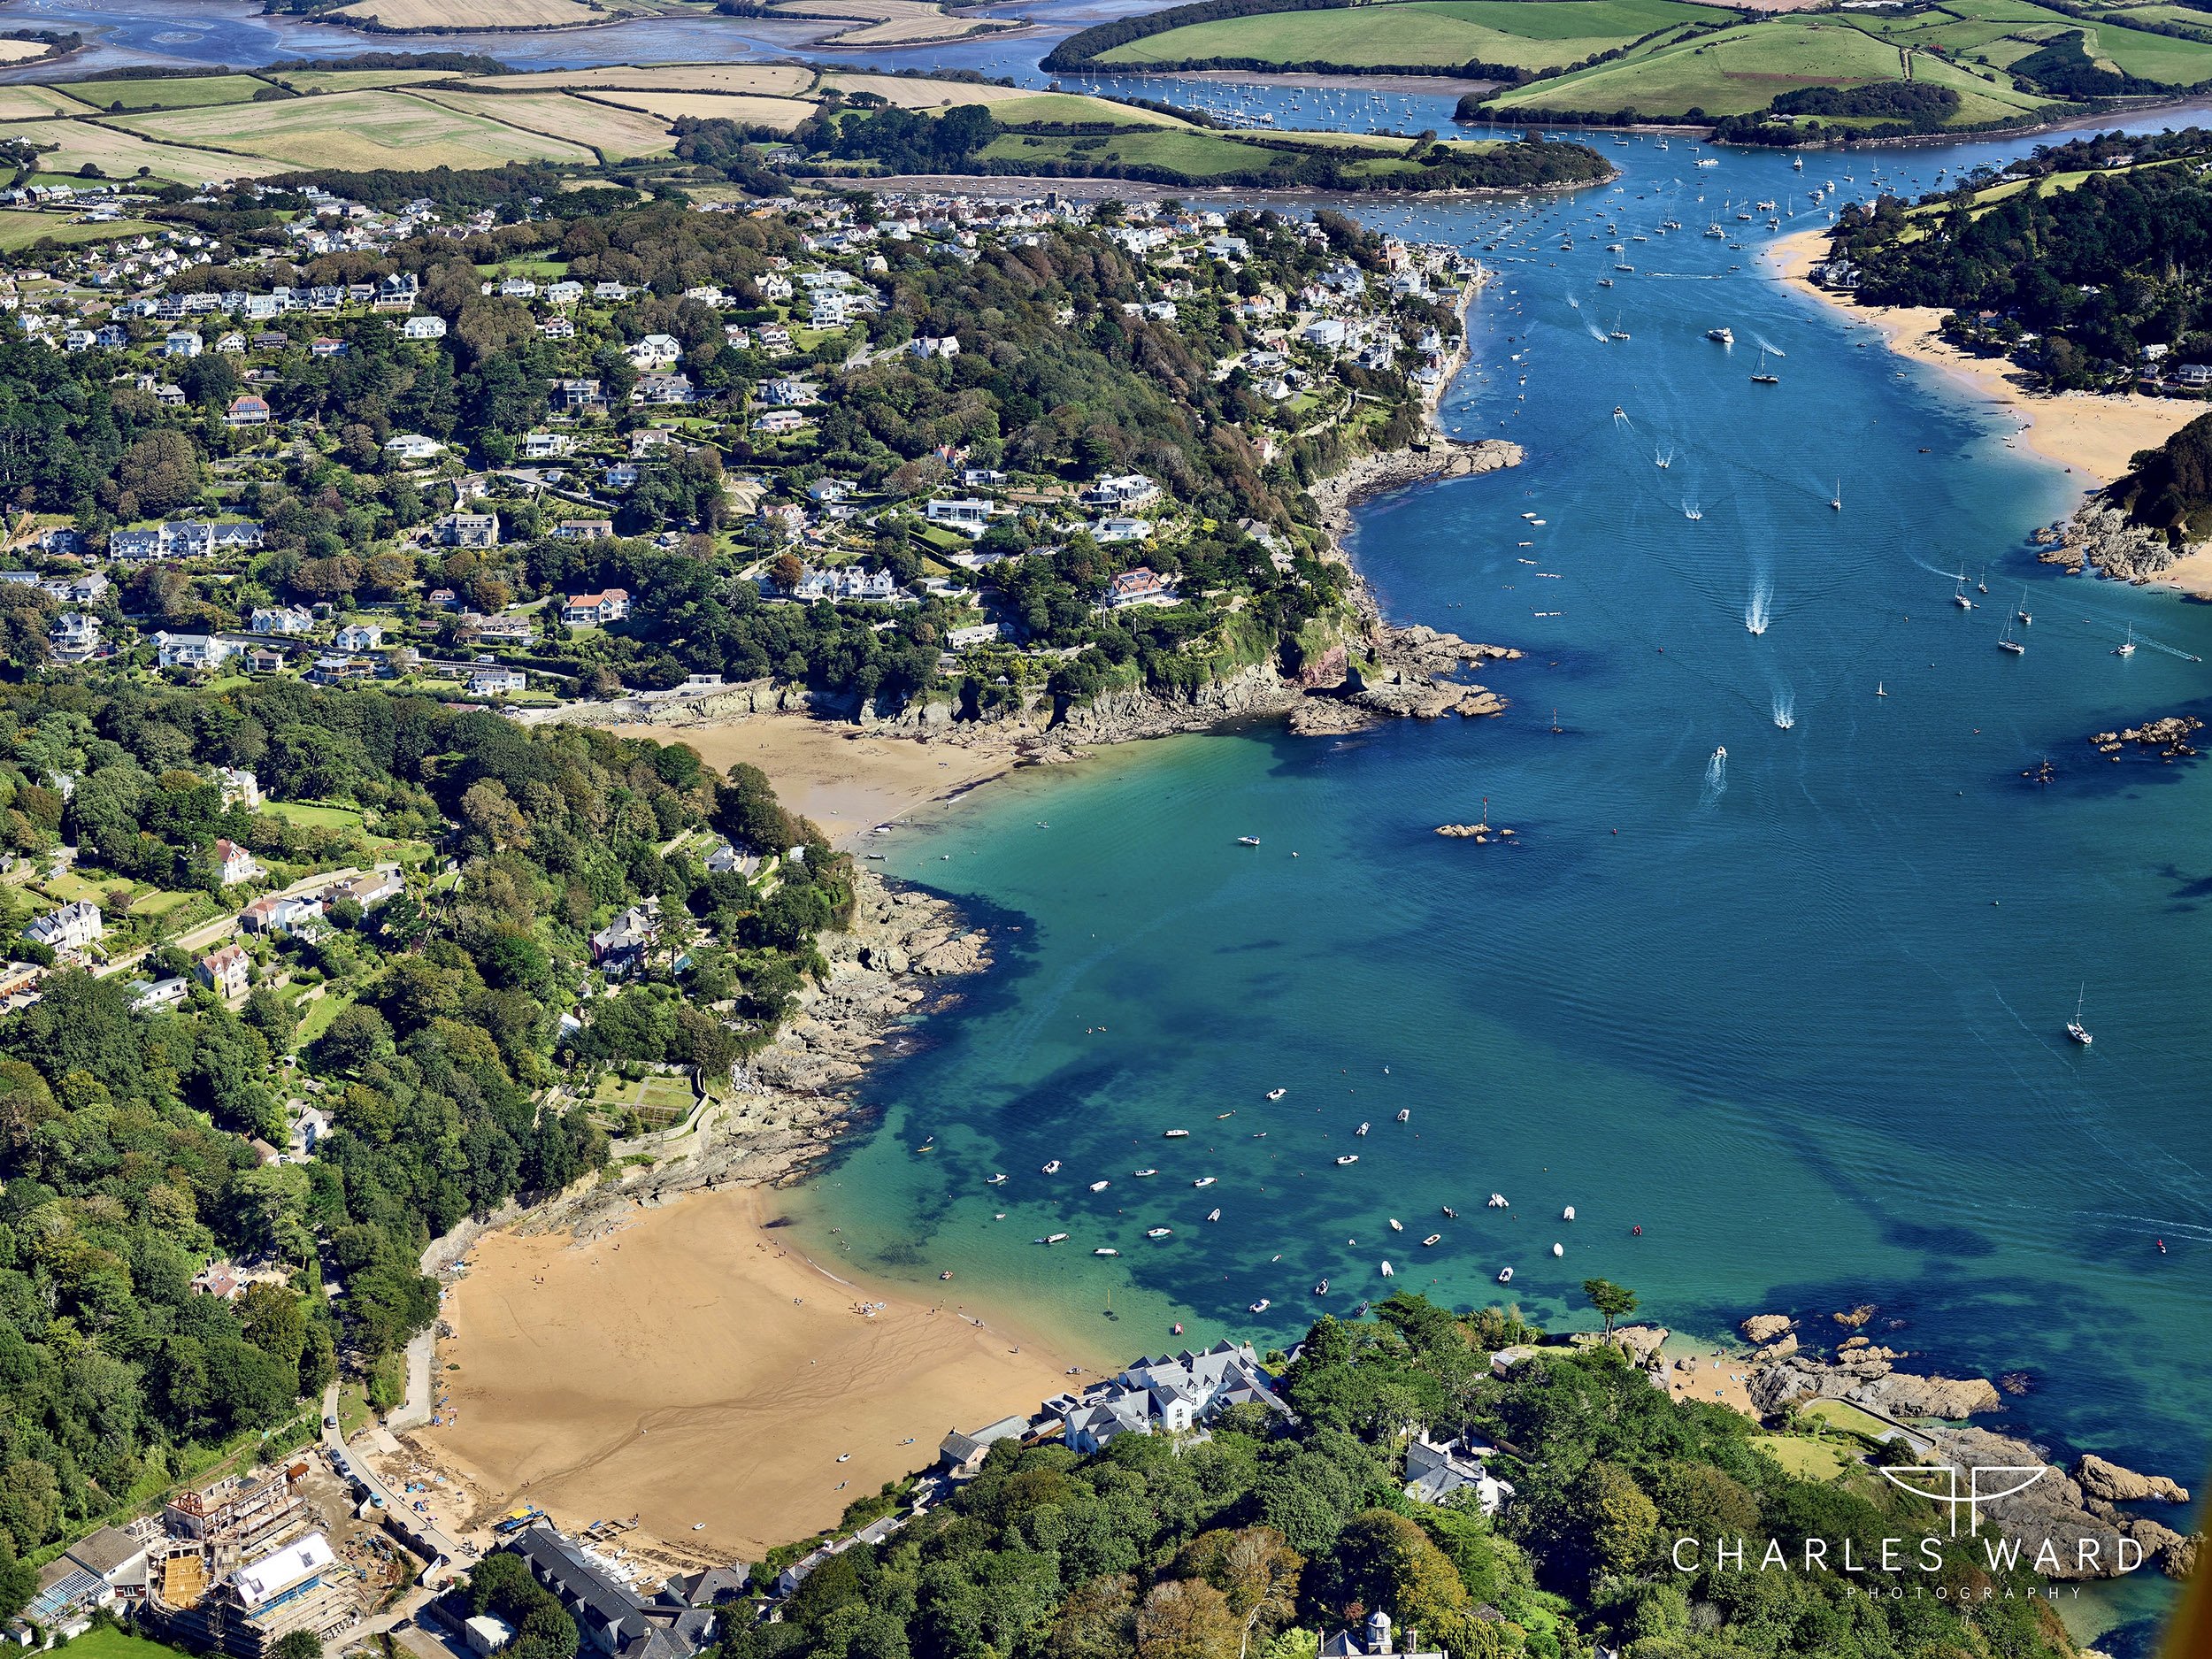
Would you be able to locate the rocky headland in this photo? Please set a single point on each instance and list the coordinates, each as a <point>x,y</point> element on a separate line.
<point>1924,1417</point>
<point>2099,537</point>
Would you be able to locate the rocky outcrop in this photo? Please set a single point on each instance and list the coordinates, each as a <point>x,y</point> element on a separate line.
<point>1764,1328</point>
<point>1866,1379</point>
<point>2114,1484</point>
<point>2100,537</point>
<point>1640,1344</point>
<point>2063,1530</point>
<point>1482,834</point>
<point>2170,736</point>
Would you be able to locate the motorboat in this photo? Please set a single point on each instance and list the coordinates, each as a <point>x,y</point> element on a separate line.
<point>1277,1094</point>
<point>1387,1272</point>
<point>1099,1186</point>
<point>1054,1238</point>
<point>1450,1214</point>
<point>1203,1180</point>
<point>1559,1249</point>
<point>1213,1214</point>
<point>1247,841</point>
<point>1397,1225</point>
<point>1567,1214</point>
<point>1140,1174</point>
<point>1360,1130</point>
<point>994,1180</point>
<point>1260,1306</point>
<point>1505,1276</point>
<point>1159,1232</point>
<point>1321,1290</point>
<point>1053,1167</point>
<point>1348,1158</point>
<point>1175,1134</point>
<point>1105,1250</point>
<point>1405,1114</point>
<point>1721,336</point>
<point>1433,1238</point>
<point>1497,1202</point>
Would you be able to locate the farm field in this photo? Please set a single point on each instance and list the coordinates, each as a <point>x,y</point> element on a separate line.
<point>616,135</point>
<point>358,129</point>
<point>121,154</point>
<point>20,230</point>
<point>1528,33</point>
<point>30,103</point>
<point>354,80</point>
<point>767,79</point>
<point>20,52</point>
<point>445,15</point>
<point>1199,155</point>
<point>912,93</point>
<point>781,113</point>
<point>1072,107</point>
<point>182,92</point>
<point>2002,32</point>
<point>1740,71</point>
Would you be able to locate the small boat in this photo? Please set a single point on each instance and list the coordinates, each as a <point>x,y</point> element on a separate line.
<point>1219,1115</point>
<point>1497,1202</point>
<point>1277,1094</point>
<point>1105,1250</point>
<point>1099,1186</point>
<point>1321,1290</point>
<point>1260,1306</point>
<point>1605,281</point>
<point>1879,689</point>
<point>1450,1214</point>
<point>1505,1276</point>
<point>2075,1029</point>
<point>1760,377</point>
<point>1158,1233</point>
<point>1397,1225</point>
<point>1213,1214</point>
<point>1054,1238</point>
<point>1247,841</point>
<point>1203,1180</point>
<point>1433,1238</point>
<point>1568,1214</point>
<point>1721,753</point>
<point>1053,1167</point>
<point>1360,1130</point>
<point>996,1180</point>
<point>1405,1114</point>
<point>1348,1158</point>
<point>1721,336</point>
<point>1175,1134</point>
<point>2127,649</point>
<point>946,1274</point>
<point>1141,1173</point>
<point>1386,1271</point>
<point>1559,1249</point>
<point>1617,332</point>
<point>1836,501</point>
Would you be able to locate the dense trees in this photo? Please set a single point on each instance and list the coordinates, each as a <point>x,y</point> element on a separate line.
<point>123,1156</point>
<point>1268,1534</point>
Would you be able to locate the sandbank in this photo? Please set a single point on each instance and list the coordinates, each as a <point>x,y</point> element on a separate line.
<point>691,1365</point>
<point>846,780</point>
<point>2094,437</point>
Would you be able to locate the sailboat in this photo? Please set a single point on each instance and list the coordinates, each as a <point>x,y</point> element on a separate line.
<point>1959,598</point>
<point>2006,642</point>
<point>1762,378</point>
<point>2126,649</point>
<point>1879,689</point>
<point>1836,500</point>
<point>2026,616</point>
<point>1983,585</point>
<point>2075,1029</point>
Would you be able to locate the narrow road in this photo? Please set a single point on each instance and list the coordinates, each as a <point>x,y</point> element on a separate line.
<point>421,1535</point>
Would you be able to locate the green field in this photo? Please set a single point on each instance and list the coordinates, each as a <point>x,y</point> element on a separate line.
<point>356,80</point>
<point>320,816</point>
<point>1806,1459</point>
<point>1527,33</point>
<point>1740,71</point>
<point>2000,33</point>
<point>185,92</point>
<point>22,230</point>
<point>1196,155</point>
<point>355,129</point>
<point>115,1644</point>
<point>31,103</point>
<point>318,1014</point>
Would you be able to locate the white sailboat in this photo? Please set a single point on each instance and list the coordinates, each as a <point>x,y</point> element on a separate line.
<point>2075,1029</point>
<point>2127,647</point>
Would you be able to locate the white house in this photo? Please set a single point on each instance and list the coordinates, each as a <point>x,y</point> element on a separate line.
<point>192,651</point>
<point>359,636</point>
<point>72,927</point>
<point>1176,1393</point>
<point>656,351</point>
<point>497,682</point>
<point>412,446</point>
<point>968,515</point>
<point>234,864</point>
<point>423,329</point>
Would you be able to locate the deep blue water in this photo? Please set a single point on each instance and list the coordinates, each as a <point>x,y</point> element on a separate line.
<point>1799,1017</point>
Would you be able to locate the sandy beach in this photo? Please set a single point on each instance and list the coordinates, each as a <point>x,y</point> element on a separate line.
<point>845,780</point>
<point>691,1366</point>
<point>2092,436</point>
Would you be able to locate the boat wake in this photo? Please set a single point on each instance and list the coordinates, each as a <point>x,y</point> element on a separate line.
<point>1716,778</point>
<point>1766,346</point>
<point>1784,708</point>
<point>1690,510</point>
<point>1758,610</point>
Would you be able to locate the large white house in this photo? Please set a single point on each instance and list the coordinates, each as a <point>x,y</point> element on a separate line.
<point>71,927</point>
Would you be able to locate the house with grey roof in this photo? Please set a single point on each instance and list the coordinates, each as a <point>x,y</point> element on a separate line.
<point>1176,1393</point>
<point>612,1619</point>
<point>1434,1473</point>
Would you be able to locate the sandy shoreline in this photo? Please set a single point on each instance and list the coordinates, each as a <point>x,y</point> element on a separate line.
<point>846,780</point>
<point>692,1365</point>
<point>2092,437</point>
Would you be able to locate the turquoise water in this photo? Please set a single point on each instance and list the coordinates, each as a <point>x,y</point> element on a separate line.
<point>1803,1023</point>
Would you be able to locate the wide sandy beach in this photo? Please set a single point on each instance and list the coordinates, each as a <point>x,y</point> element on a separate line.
<point>846,780</point>
<point>2092,437</point>
<point>691,1366</point>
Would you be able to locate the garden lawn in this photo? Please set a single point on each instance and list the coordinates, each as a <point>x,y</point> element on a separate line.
<point>324,816</point>
<point>1808,1459</point>
<point>1526,34</point>
<point>115,1644</point>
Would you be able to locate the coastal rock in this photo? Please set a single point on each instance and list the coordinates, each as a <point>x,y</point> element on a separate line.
<point>2180,1560</point>
<point>1331,717</point>
<point>2064,1530</point>
<point>964,955</point>
<point>2099,536</point>
<point>1866,1380</point>
<point>2168,735</point>
<point>1856,1316</point>
<point>1640,1342</point>
<point>1779,1349</point>
<point>1326,671</point>
<point>1901,1393</point>
<point>1764,1328</point>
<point>1482,833</point>
<point>2110,1481</point>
